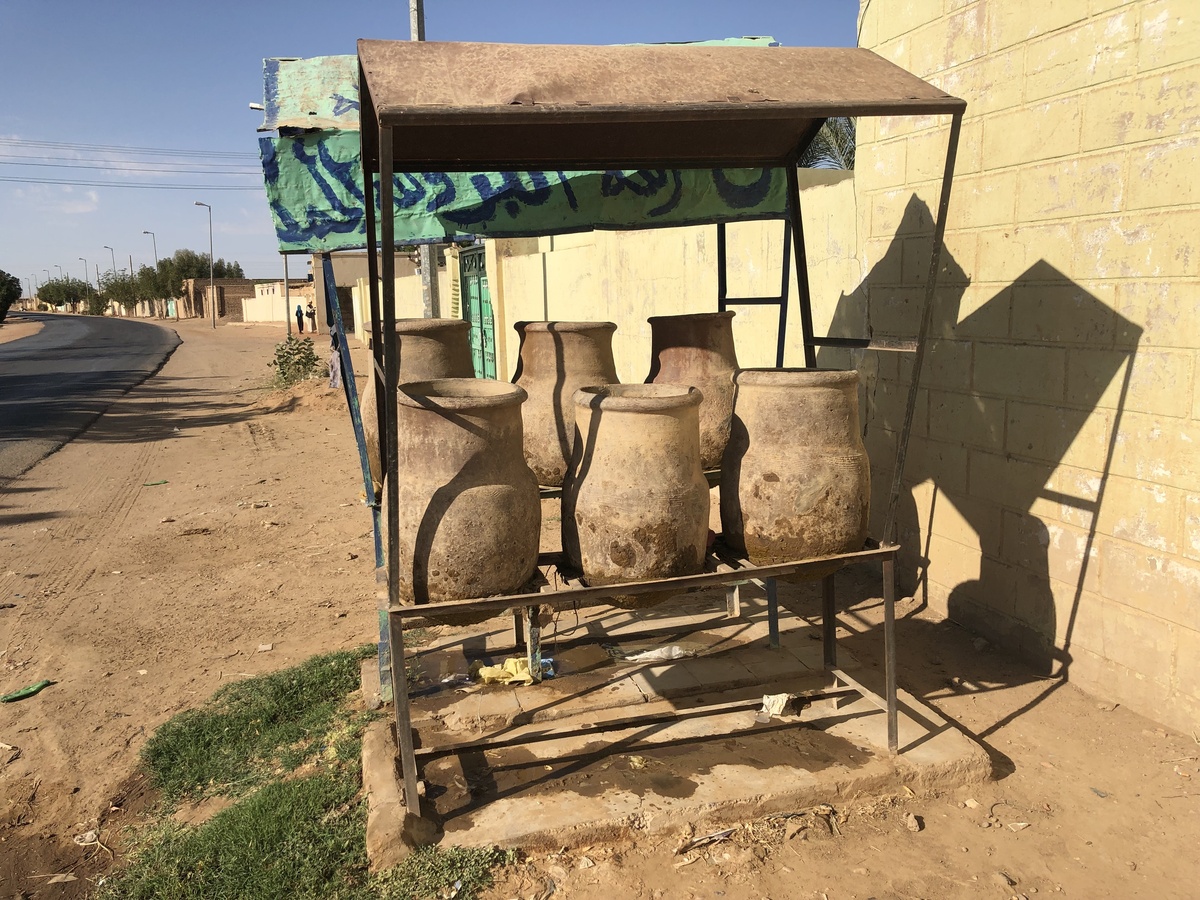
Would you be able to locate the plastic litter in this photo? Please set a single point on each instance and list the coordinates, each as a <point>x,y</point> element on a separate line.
<point>671,651</point>
<point>26,692</point>
<point>514,670</point>
<point>772,705</point>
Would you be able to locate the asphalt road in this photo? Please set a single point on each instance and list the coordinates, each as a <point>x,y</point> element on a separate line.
<point>55,383</point>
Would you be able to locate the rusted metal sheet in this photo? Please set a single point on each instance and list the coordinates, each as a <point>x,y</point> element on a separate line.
<point>316,93</point>
<point>536,106</point>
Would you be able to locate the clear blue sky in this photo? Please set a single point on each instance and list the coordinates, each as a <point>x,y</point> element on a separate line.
<point>78,77</point>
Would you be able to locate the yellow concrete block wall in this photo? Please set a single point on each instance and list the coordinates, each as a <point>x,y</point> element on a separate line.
<point>1053,483</point>
<point>627,276</point>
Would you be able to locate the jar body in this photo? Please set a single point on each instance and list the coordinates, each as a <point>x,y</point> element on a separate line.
<point>470,512</point>
<point>635,500</point>
<point>428,349</point>
<point>698,350</point>
<point>795,478</point>
<point>556,360</point>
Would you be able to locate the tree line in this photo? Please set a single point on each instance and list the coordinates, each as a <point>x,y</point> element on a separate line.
<point>128,289</point>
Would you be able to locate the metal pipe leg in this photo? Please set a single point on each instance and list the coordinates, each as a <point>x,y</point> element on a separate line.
<point>733,601</point>
<point>404,735</point>
<point>533,643</point>
<point>518,628</point>
<point>889,651</point>
<point>828,623</point>
<point>773,612</point>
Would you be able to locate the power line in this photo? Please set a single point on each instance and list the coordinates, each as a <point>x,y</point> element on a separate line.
<point>143,169</point>
<point>226,154</point>
<point>121,184</point>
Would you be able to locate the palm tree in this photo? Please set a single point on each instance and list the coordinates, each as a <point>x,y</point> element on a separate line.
<point>832,148</point>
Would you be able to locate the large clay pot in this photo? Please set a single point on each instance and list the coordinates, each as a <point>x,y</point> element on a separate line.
<point>470,513</point>
<point>698,350</point>
<point>556,360</point>
<point>635,501</point>
<point>795,479</point>
<point>429,349</point>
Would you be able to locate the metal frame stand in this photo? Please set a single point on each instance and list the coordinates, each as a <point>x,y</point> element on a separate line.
<point>730,574</point>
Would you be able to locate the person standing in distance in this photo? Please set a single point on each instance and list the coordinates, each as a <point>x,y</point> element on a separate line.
<point>299,319</point>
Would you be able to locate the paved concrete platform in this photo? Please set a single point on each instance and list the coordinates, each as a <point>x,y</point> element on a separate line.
<point>576,771</point>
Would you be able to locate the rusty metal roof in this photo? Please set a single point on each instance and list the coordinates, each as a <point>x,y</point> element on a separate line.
<point>468,106</point>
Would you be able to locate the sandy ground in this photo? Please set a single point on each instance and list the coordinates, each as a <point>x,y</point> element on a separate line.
<point>139,598</point>
<point>14,327</point>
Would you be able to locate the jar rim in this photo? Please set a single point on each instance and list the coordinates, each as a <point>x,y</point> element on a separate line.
<point>562,326</point>
<point>638,397</point>
<point>460,394</point>
<point>414,326</point>
<point>694,317</point>
<point>797,377</point>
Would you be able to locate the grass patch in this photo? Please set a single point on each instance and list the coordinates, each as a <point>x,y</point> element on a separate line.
<point>251,729</point>
<point>289,840</point>
<point>298,831</point>
<point>431,872</point>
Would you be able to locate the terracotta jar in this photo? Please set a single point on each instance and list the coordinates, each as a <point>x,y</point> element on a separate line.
<point>470,513</point>
<point>556,360</point>
<point>635,501</point>
<point>698,350</point>
<point>429,349</point>
<point>795,479</point>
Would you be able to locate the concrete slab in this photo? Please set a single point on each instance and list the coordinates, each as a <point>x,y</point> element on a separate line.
<point>578,771</point>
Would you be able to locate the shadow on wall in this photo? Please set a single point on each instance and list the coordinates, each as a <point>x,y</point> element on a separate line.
<point>1006,390</point>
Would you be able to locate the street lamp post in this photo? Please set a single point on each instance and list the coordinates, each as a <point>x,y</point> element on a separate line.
<point>212,291</point>
<point>60,270</point>
<point>85,275</point>
<point>154,241</point>
<point>113,253</point>
<point>47,271</point>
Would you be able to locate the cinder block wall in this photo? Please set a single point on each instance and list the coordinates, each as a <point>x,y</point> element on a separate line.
<point>1053,496</point>
<point>626,276</point>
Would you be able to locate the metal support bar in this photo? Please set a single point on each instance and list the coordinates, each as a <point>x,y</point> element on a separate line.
<point>797,226</point>
<point>585,596</point>
<point>533,643</point>
<point>828,623</point>
<point>333,312</point>
<point>773,613</point>
<point>733,601</point>
<point>518,629</point>
<point>889,651</point>
<point>404,733</point>
<point>724,301</point>
<point>895,345</point>
<point>541,733</point>
<point>910,407</point>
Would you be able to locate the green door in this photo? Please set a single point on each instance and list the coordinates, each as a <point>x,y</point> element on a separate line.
<point>477,309</point>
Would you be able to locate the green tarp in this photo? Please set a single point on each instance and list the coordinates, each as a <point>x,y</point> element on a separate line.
<point>313,177</point>
<point>314,181</point>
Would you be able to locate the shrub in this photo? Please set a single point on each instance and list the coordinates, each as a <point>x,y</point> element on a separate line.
<point>295,360</point>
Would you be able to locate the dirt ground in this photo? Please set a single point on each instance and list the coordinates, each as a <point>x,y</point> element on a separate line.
<point>13,328</point>
<point>205,516</point>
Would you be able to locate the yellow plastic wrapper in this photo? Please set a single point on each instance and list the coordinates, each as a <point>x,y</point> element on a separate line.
<point>514,670</point>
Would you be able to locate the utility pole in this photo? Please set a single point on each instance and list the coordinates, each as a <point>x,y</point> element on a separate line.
<point>287,297</point>
<point>428,253</point>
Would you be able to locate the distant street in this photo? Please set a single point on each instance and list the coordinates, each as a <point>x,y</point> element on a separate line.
<point>53,384</point>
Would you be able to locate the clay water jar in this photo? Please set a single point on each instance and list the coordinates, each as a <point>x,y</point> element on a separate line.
<point>698,350</point>
<point>635,502</point>
<point>470,512</point>
<point>795,479</point>
<point>556,360</point>
<point>428,349</point>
